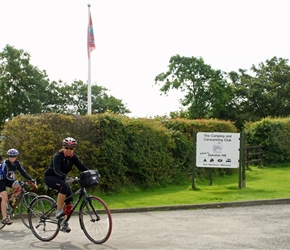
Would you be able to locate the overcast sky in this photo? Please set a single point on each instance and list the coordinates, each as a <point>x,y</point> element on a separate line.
<point>136,39</point>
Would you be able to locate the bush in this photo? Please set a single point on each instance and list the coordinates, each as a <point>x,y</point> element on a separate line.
<point>274,134</point>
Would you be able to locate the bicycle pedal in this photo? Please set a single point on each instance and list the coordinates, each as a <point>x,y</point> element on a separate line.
<point>65,229</point>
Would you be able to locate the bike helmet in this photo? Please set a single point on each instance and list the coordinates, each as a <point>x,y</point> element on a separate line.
<point>69,141</point>
<point>12,152</point>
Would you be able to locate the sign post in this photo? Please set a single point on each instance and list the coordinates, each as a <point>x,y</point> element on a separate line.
<point>242,179</point>
<point>219,150</point>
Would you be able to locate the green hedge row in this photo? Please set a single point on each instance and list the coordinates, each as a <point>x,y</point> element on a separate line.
<point>128,152</point>
<point>274,134</point>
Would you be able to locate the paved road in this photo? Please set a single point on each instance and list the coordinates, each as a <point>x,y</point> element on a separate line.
<point>250,227</point>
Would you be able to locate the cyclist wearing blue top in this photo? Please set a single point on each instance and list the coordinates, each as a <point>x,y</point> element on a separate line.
<point>55,175</point>
<point>9,167</point>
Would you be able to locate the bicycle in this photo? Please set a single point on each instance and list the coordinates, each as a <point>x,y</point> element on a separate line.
<point>94,215</point>
<point>22,201</point>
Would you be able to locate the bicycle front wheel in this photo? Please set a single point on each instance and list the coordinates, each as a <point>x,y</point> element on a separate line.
<point>24,206</point>
<point>41,217</point>
<point>95,220</point>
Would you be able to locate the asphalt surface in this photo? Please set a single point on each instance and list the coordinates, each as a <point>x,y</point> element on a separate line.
<point>240,225</point>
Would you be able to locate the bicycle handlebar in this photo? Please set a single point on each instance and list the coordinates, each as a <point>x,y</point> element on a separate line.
<point>32,184</point>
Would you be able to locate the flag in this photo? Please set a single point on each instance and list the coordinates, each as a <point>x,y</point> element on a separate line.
<point>91,38</point>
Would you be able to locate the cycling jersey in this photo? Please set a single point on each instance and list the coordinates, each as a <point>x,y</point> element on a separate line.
<point>61,165</point>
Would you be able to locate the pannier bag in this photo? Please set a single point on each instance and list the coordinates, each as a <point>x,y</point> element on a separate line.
<point>89,178</point>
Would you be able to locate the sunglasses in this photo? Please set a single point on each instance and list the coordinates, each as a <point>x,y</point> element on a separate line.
<point>67,148</point>
<point>12,156</point>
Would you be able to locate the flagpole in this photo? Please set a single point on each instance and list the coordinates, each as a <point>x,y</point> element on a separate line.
<point>89,89</point>
<point>89,68</point>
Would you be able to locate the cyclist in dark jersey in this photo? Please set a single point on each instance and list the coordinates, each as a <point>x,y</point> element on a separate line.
<point>55,175</point>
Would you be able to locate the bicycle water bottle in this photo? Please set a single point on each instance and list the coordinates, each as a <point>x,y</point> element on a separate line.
<point>67,209</point>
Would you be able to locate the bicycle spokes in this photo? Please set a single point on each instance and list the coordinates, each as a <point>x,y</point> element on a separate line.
<point>90,210</point>
<point>42,221</point>
<point>95,220</point>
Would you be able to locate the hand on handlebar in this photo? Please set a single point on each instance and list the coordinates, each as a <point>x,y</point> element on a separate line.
<point>69,179</point>
<point>72,180</point>
<point>32,183</point>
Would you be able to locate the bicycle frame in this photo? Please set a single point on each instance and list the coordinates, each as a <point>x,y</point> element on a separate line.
<point>82,194</point>
<point>19,194</point>
<point>22,201</point>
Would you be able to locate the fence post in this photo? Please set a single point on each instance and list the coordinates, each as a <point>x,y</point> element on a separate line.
<point>258,153</point>
<point>247,157</point>
<point>260,157</point>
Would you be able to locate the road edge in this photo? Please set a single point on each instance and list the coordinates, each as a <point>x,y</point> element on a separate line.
<point>203,206</point>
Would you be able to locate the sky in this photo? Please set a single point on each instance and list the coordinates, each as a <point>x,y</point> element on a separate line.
<point>135,40</point>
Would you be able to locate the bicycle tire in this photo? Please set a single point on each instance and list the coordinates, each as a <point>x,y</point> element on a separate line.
<point>95,220</point>
<point>24,204</point>
<point>41,217</point>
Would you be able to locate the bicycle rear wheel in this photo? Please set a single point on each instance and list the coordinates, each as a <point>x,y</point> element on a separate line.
<point>95,220</point>
<point>24,206</point>
<point>41,217</point>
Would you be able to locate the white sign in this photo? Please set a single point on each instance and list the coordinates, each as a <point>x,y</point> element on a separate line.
<point>217,150</point>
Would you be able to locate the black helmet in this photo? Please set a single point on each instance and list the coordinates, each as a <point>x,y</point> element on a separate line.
<point>69,141</point>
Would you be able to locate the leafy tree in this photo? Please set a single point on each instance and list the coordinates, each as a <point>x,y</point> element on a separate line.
<point>270,91</point>
<point>57,103</point>
<point>207,93</point>
<point>263,92</point>
<point>101,101</point>
<point>236,96</point>
<point>23,87</point>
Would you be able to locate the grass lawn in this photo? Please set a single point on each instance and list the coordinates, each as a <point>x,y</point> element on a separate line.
<point>261,183</point>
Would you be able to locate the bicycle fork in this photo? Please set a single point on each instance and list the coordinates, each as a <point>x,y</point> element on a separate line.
<point>91,211</point>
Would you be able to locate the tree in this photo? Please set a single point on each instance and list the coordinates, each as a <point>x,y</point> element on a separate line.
<point>207,93</point>
<point>101,101</point>
<point>271,88</point>
<point>263,92</point>
<point>23,87</point>
<point>236,96</point>
<point>59,96</point>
